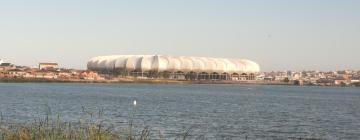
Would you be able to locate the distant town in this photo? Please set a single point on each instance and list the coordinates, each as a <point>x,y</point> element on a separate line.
<point>51,72</point>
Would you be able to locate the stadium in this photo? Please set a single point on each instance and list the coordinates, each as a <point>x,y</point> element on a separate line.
<point>175,67</point>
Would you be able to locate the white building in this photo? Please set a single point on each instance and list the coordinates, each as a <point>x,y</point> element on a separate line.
<point>175,66</point>
<point>48,66</point>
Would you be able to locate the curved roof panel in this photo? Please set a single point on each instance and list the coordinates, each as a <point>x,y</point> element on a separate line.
<point>173,64</point>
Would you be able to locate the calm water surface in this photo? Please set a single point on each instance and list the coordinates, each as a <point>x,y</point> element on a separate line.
<point>215,111</point>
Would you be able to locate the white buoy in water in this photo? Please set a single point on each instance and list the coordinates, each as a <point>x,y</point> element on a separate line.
<point>134,102</point>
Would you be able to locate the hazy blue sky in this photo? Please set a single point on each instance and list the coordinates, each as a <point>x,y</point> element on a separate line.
<point>278,34</point>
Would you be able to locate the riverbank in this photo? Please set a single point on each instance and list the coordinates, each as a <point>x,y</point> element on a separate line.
<point>156,81</point>
<point>135,80</point>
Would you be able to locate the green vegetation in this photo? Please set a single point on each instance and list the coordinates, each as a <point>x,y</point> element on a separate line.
<point>357,84</point>
<point>55,129</point>
<point>44,130</point>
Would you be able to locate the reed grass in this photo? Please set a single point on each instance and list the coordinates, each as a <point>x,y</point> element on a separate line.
<point>55,129</point>
<point>48,128</point>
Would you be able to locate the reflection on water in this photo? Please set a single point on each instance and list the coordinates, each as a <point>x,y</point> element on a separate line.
<point>215,111</point>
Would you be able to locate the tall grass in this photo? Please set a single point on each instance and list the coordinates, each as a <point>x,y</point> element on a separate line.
<point>55,129</point>
<point>48,128</point>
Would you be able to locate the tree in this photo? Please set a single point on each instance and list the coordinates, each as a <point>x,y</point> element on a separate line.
<point>286,80</point>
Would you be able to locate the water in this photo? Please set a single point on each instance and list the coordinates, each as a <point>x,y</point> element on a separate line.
<point>213,111</point>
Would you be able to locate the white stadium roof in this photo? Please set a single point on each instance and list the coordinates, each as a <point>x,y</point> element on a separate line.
<point>162,63</point>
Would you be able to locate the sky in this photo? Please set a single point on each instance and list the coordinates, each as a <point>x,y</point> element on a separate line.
<point>277,34</point>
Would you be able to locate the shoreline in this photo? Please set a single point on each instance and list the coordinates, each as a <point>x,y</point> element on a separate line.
<point>136,80</point>
<point>151,81</point>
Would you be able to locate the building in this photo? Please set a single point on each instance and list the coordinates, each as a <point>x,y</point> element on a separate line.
<point>7,66</point>
<point>45,66</point>
<point>16,73</point>
<point>42,75</point>
<point>90,75</point>
<point>173,67</point>
<point>1,61</point>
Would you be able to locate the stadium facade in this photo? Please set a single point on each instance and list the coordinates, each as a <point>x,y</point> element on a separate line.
<point>175,67</point>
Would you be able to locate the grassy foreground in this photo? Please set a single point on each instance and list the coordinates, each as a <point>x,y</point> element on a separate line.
<point>86,129</point>
<point>55,130</point>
